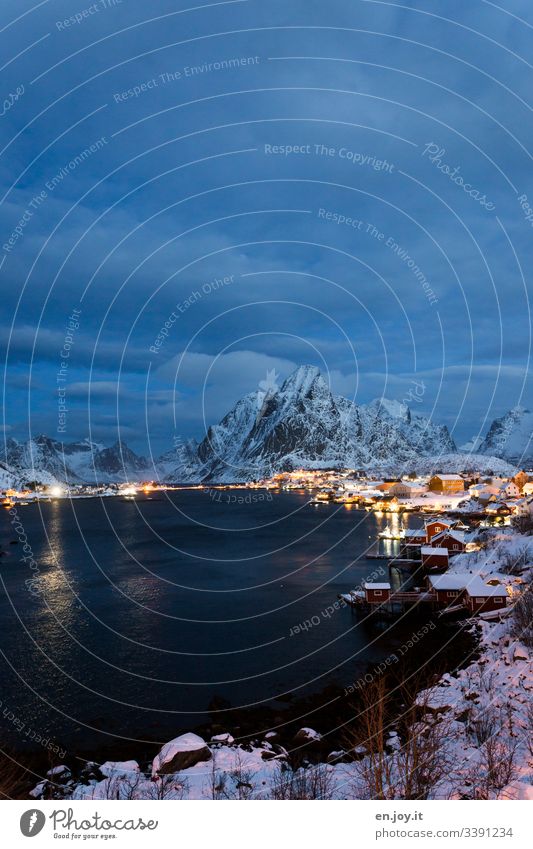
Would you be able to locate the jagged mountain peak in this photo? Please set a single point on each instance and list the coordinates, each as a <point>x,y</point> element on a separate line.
<point>510,436</point>
<point>395,409</point>
<point>304,424</point>
<point>303,381</point>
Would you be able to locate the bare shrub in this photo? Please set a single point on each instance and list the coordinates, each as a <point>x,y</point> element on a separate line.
<point>523,616</point>
<point>136,785</point>
<point>167,787</point>
<point>483,725</point>
<point>216,781</point>
<point>497,740</point>
<point>523,524</point>
<point>529,729</point>
<point>497,767</point>
<point>314,782</point>
<point>418,765</point>
<point>14,776</point>
<point>242,779</point>
<point>514,563</point>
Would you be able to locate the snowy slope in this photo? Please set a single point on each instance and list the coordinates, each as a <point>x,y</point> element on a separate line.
<point>456,463</point>
<point>7,478</point>
<point>510,435</point>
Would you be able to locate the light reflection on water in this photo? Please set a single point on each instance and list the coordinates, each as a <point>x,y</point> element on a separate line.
<point>143,590</point>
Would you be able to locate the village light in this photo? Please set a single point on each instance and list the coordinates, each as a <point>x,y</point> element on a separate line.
<point>57,491</point>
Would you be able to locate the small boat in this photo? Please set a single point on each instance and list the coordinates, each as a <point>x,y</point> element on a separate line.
<point>388,533</point>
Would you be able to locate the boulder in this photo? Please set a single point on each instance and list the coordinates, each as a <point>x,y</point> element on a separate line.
<point>120,769</point>
<point>272,736</point>
<point>306,735</point>
<point>274,752</point>
<point>181,753</point>
<point>224,739</point>
<point>520,653</point>
<point>359,752</point>
<point>59,773</point>
<point>38,790</point>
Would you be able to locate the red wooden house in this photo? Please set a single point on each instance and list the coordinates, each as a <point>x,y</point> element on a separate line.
<point>414,536</point>
<point>433,558</point>
<point>377,593</point>
<point>453,540</point>
<point>448,589</point>
<point>480,598</point>
<point>434,527</point>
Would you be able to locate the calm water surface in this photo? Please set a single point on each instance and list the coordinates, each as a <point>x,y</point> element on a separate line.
<point>149,609</point>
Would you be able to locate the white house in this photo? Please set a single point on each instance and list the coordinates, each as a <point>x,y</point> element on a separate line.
<point>509,490</point>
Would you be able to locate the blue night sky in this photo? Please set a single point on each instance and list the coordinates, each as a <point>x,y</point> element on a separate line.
<point>355,175</point>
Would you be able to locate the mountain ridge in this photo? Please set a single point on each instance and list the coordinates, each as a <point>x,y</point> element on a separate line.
<point>274,429</point>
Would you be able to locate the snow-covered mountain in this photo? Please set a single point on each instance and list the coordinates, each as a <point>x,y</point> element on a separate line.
<point>301,424</point>
<point>473,444</point>
<point>48,461</point>
<point>304,424</point>
<point>510,436</point>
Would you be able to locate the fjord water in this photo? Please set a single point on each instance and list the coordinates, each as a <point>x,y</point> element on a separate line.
<point>144,611</point>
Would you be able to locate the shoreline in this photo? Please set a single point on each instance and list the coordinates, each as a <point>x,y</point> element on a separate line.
<point>331,711</point>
